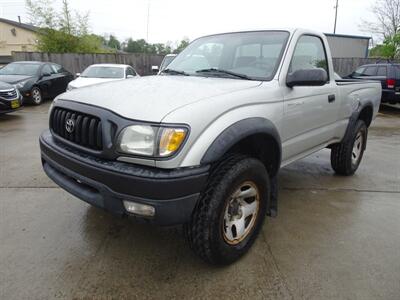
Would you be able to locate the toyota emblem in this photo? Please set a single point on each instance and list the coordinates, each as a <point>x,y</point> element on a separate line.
<point>70,125</point>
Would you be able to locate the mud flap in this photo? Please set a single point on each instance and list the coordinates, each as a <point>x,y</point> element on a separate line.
<point>273,204</point>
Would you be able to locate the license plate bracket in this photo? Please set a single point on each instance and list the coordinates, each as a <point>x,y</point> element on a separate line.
<point>15,104</point>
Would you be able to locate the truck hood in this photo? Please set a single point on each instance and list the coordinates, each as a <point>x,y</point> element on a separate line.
<point>151,98</point>
<point>85,81</point>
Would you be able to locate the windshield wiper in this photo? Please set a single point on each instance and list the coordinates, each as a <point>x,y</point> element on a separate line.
<point>215,70</point>
<point>174,72</point>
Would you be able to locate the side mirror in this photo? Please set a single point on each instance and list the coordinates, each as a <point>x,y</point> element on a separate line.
<point>45,74</point>
<point>129,76</point>
<point>78,74</point>
<point>307,77</point>
<point>155,69</point>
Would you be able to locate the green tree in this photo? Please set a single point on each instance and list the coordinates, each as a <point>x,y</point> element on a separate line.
<point>136,46</point>
<point>182,45</point>
<point>113,42</point>
<point>62,31</point>
<point>387,19</point>
<point>389,49</point>
<point>41,13</point>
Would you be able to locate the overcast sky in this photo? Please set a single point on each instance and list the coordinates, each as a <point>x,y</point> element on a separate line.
<point>171,20</point>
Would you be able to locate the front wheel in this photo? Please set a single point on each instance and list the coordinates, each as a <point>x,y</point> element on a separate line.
<point>230,211</point>
<point>346,156</point>
<point>36,96</point>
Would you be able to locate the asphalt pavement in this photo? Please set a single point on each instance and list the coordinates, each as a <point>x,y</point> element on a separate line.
<point>334,238</point>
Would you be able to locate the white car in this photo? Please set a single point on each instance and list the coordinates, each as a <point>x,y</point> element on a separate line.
<point>102,73</point>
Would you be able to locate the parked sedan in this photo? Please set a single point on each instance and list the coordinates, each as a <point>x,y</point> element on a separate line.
<point>10,99</point>
<point>102,73</point>
<point>36,81</point>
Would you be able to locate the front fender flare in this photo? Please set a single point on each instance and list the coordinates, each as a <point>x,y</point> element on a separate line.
<point>238,131</point>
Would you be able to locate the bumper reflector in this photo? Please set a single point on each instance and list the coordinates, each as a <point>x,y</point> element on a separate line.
<point>139,209</point>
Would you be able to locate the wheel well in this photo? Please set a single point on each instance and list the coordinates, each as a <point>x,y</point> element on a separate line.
<point>366,115</point>
<point>263,147</point>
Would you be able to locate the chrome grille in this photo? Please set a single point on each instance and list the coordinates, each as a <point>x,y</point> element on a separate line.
<point>86,129</point>
<point>9,94</point>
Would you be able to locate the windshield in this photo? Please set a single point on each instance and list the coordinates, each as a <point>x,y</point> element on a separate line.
<point>103,72</point>
<point>255,55</point>
<point>20,69</point>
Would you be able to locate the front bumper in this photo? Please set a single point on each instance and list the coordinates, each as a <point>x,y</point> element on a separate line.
<point>105,184</point>
<point>5,105</point>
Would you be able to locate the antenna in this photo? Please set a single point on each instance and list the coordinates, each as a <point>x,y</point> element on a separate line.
<point>336,9</point>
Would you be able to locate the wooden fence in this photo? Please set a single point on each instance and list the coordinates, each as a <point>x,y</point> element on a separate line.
<point>76,62</point>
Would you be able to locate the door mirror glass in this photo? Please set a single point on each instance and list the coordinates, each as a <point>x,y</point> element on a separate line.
<point>307,77</point>
<point>309,64</point>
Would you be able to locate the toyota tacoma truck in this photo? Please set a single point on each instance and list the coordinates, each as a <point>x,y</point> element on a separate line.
<point>201,144</point>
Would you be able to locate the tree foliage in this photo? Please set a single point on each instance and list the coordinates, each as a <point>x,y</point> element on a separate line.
<point>112,42</point>
<point>387,19</point>
<point>182,45</point>
<point>386,27</point>
<point>66,30</point>
<point>390,48</point>
<point>141,46</point>
<point>62,31</point>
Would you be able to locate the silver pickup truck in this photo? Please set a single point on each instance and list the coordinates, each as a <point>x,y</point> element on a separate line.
<point>202,143</point>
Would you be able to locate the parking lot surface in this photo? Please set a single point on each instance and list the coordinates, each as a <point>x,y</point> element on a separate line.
<point>334,237</point>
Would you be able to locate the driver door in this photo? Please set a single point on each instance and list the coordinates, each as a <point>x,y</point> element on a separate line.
<point>48,82</point>
<point>310,112</point>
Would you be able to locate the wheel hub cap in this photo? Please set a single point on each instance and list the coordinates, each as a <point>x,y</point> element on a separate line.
<point>36,96</point>
<point>357,148</point>
<point>241,213</point>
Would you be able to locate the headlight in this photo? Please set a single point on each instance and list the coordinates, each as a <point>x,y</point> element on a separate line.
<point>150,140</point>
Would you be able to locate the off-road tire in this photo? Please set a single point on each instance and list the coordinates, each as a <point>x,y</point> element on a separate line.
<point>204,231</point>
<point>341,154</point>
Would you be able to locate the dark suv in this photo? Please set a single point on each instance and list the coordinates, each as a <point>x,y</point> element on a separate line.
<point>389,76</point>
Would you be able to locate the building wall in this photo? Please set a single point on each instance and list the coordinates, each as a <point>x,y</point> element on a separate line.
<point>346,47</point>
<point>13,38</point>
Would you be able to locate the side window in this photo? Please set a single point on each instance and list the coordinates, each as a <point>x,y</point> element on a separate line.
<point>130,71</point>
<point>309,54</point>
<point>47,70</point>
<point>57,69</point>
<point>370,71</point>
<point>359,71</point>
<point>397,68</point>
<point>382,71</point>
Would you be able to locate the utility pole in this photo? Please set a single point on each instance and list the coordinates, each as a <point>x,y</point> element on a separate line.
<point>336,9</point>
<point>148,20</point>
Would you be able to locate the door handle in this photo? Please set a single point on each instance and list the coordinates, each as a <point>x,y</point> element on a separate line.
<point>331,98</point>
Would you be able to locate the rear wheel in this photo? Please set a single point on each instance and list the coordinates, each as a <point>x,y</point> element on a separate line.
<point>230,211</point>
<point>36,96</point>
<point>346,156</point>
